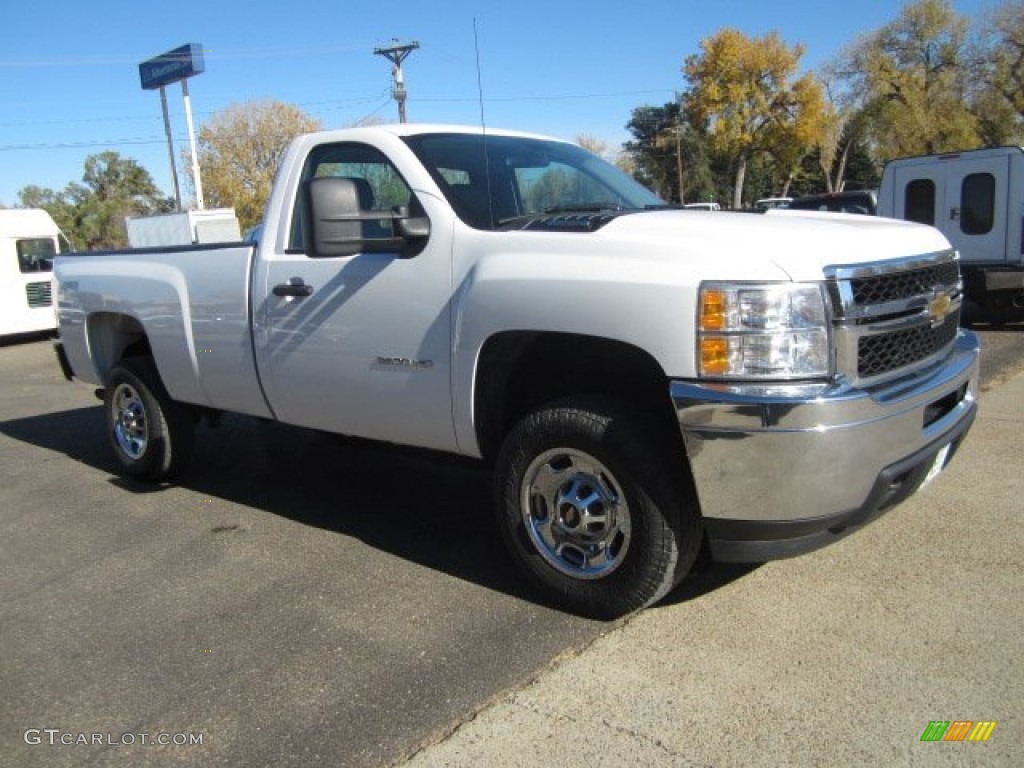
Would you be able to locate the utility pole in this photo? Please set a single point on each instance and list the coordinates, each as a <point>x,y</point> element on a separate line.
<point>679,161</point>
<point>396,54</point>
<point>674,135</point>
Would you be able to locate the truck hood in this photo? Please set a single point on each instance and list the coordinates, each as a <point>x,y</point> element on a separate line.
<point>800,243</point>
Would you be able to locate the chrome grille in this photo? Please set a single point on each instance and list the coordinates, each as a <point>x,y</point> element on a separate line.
<point>903,285</point>
<point>892,318</point>
<point>39,294</point>
<point>884,352</point>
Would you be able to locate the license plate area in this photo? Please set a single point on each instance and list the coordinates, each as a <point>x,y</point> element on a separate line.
<point>938,464</point>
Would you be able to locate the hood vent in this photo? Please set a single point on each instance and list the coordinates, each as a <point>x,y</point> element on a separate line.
<point>573,222</point>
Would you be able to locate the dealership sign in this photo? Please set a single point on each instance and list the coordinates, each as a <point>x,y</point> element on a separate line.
<point>179,64</point>
<point>176,66</point>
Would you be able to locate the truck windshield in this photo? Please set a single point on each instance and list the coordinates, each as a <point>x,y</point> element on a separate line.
<point>493,181</point>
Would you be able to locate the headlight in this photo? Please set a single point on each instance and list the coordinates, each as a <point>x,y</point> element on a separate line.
<point>765,331</point>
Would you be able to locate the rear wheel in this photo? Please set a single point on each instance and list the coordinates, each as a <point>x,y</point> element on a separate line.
<point>594,512</point>
<point>151,434</point>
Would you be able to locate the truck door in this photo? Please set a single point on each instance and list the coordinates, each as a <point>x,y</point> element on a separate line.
<point>358,345</point>
<point>965,197</point>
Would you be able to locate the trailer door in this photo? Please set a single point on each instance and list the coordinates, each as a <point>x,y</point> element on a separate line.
<point>966,197</point>
<point>977,207</point>
<point>918,193</point>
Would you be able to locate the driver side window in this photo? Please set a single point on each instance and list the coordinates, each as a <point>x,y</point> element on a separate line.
<point>378,183</point>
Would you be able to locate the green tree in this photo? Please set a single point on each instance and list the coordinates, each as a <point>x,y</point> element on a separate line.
<point>240,149</point>
<point>92,213</point>
<point>113,188</point>
<point>855,168</point>
<point>654,167</point>
<point>670,155</point>
<point>54,203</point>
<point>746,91</point>
<point>862,170</point>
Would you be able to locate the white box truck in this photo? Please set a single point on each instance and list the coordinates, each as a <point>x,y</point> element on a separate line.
<point>217,225</point>
<point>977,199</point>
<point>29,241</point>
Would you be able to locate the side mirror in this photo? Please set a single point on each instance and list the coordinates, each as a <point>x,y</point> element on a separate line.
<point>411,227</point>
<point>339,225</point>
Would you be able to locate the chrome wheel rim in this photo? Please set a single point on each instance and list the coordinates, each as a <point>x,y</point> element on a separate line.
<point>130,423</point>
<point>575,513</point>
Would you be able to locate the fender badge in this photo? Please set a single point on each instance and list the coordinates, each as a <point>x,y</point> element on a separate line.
<point>403,362</point>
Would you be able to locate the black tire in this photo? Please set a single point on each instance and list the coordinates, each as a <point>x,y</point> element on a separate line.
<point>595,508</point>
<point>151,434</point>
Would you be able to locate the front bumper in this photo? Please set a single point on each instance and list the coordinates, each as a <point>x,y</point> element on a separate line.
<point>785,470</point>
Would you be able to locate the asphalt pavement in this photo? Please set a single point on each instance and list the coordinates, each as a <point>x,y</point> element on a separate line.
<point>293,601</point>
<point>842,657</point>
<point>296,601</point>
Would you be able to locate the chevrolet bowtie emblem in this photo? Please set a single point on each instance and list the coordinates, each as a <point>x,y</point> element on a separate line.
<point>939,307</point>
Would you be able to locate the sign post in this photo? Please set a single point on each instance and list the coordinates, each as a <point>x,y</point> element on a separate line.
<point>173,67</point>
<point>170,147</point>
<point>197,182</point>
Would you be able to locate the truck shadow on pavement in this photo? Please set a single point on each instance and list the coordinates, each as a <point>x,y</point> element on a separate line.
<point>422,507</point>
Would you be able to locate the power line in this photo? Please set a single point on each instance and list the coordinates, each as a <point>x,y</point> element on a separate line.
<point>332,104</point>
<point>366,117</point>
<point>335,104</point>
<point>86,144</point>
<point>269,52</point>
<point>551,97</point>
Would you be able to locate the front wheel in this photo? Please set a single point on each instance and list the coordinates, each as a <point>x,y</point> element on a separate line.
<point>151,434</point>
<point>595,513</point>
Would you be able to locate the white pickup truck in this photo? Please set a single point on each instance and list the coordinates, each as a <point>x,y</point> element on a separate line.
<point>647,383</point>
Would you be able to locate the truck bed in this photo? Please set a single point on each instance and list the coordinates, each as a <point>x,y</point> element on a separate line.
<point>196,294</point>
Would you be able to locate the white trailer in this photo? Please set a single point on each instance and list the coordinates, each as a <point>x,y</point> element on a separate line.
<point>977,199</point>
<point>29,241</point>
<point>216,225</point>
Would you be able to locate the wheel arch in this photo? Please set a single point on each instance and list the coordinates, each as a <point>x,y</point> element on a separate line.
<point>113,336</point>
<point>518,371</point>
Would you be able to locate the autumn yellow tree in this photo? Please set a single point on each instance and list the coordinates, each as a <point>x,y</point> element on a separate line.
<point>239,151</point>
<point>592,144</point>
<point>747,93</point>
<point>999,68</point>
<point>1008,54</point>
<point>846,127</point>
<point>831,151</point>
<point>912,79</point>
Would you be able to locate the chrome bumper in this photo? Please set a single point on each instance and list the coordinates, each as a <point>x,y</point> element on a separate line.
<point>786,469</point>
